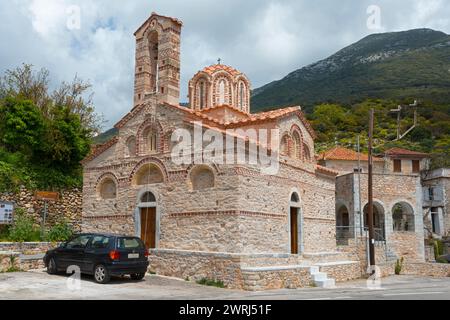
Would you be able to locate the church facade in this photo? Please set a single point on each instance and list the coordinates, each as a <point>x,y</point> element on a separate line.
<point>217,219</point>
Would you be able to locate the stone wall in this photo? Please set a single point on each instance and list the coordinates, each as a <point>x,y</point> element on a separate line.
<point>68,206</point>
<point>9,259</point>
<point>402,243</point>
<point>389,190</point>
<point>342,272</point>
<point>27,248</point>
<point>195,266</point>
<point>229,268</point>
<point>439,270</point>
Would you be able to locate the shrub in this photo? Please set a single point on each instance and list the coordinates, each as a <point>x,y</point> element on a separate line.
<point>399,266</point>
<point>438,249</point>
<point>441,260</point>
<point>23,228</point>
<point>4,233</point>
<point>61,231</point>
<point>211,283</point>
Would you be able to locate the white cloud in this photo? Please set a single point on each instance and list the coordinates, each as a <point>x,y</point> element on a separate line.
<point>264,38</point>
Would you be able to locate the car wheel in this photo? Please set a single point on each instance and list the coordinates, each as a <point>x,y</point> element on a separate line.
<point>101,274</point>
<point>51,266</point>
<point>137,276</point>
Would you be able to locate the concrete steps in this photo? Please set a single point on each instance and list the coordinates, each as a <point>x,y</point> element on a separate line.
<point>321,279</point>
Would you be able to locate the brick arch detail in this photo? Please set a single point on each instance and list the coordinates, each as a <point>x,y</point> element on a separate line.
<point>140,138</point>
<point>149,160</point>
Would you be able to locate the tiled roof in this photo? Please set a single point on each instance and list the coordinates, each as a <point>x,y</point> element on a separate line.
<point>326,170</point>
<point>340,153</point>
<point>224,106</point>
<point>221,67</point>
<point>405,152</point>
<point>154,14</point>
<point>99,149</point>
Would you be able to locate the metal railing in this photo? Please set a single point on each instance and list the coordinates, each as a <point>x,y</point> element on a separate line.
<point>344,233</point>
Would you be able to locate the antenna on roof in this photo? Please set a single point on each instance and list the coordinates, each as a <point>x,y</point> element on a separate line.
<point>219,61</point>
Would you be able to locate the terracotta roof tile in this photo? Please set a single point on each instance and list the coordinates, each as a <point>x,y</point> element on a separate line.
<point>340,153</point>
<point>326,170</point>
<point>99,149</point>
<point>221,67</point>
<point>405,152</point>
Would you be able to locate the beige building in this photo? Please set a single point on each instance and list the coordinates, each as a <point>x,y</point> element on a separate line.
<point>215,219</point>
<point>436,196</point>
<point>398,214</point>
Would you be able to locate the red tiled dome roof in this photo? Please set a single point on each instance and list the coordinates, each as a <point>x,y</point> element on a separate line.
<point>221,67</point>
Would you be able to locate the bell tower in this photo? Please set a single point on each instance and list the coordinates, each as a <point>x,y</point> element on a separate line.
<point>157,70</point>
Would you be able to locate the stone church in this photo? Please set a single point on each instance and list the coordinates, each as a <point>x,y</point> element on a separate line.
<point>217,220</point>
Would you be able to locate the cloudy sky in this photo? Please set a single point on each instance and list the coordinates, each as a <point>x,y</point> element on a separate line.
<point>266,39</point>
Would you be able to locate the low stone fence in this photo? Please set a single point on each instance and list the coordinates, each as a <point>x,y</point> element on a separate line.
<point>8,260</point>
<point>254,272</point>
<point>195,266</point>
<point>28,248</point>
<point>439,270</point>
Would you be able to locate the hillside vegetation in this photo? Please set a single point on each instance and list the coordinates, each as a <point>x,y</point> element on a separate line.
<point>412,64</point>
<point>341,124</point>
<point>43,134</point>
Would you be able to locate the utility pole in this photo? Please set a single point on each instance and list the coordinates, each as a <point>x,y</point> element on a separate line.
<point>361,226</point>
<point>370,213</point>
<point>400,136</point>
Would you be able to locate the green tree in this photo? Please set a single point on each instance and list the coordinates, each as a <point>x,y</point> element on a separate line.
<point>21,125</point>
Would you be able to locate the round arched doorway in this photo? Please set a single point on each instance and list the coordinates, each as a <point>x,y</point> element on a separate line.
<point>296,225</point>
<point>378,221</point>
<point>148,219</point>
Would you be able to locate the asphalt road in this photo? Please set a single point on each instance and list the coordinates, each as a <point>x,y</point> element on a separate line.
<point>37,285</point>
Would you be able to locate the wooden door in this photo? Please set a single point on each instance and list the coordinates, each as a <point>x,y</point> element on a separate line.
<point>148,227</point>
<point>294,230</point>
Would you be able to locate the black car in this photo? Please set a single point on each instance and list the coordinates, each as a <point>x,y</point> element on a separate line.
<point>100,255</point>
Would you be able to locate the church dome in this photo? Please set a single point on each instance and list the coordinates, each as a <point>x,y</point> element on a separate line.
<point>219,85</point>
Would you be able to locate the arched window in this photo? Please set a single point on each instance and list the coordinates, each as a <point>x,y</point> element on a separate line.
<point>107,189</point>
<point>284,148</point>
<point>378,220</point>
<point>306,152</point>
<point>297,144</point>
<point>148,174</point>
<point>202,177</point>
<point>202,95</point>
<point>148,197</point>
<point>403,217</point>
<point>242,96</point>
<point>222,92</point>
<point>131,147</point>
<point>150,140</point>
<point>295,197</point>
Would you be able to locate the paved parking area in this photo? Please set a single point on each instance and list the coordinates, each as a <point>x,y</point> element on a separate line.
<point>37,285</point>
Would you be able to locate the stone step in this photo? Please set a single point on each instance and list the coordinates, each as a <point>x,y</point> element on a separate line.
<point>328,283</point>
<point>314,269</point>
<point>320,276</point>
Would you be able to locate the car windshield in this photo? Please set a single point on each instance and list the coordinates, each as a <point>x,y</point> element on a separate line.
<point>129,243</point>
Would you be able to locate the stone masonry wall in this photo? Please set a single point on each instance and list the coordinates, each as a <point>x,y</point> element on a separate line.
<point>246,211</point>
<point>9,260</point>
<point>67,207</point>
<point>27,248</point>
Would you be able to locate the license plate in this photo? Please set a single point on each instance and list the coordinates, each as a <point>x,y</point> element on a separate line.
<point>133,255</point>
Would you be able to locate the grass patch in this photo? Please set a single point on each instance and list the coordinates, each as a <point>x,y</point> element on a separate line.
<point>211,283</point>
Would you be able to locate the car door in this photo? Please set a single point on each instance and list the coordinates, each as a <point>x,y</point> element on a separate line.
<point>96,251</point>
<point>74,251</point>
